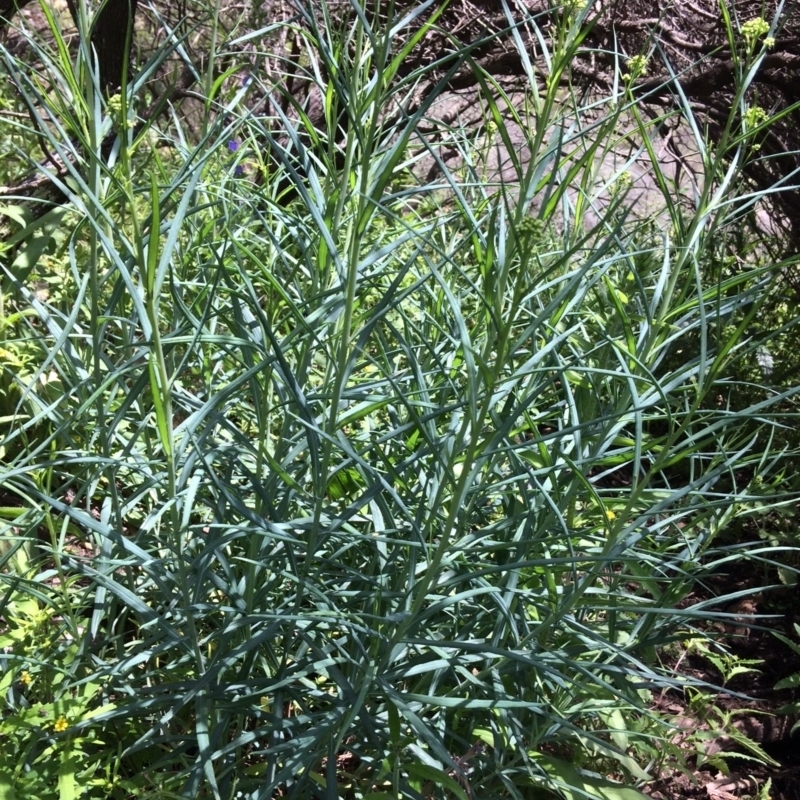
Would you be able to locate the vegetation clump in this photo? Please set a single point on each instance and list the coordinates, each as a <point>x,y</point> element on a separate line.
<point>352,448</point>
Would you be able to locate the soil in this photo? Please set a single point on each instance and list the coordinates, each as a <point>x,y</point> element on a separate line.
<point>748,700</point>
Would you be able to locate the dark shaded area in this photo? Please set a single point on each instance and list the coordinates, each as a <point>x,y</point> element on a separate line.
<point>10,7</point>
<point>111,40</point>
<point>748,635</point>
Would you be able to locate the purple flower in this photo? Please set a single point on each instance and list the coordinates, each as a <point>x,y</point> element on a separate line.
<point>233,145</point>
<point>238,171</point>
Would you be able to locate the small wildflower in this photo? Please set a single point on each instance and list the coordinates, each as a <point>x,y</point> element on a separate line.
<point>233,145</point>
<point>115,105</point>
<point>753,30</point>
<point>25,678</point>
<point>238,171</point>
<point>637,66</point>
<point>622,183</point>
<point>60,725</point>
<point>115,111</point>
<point>769,42</point>
<point>754,116</point>
<point>530,228</point>
<point>610,515</point>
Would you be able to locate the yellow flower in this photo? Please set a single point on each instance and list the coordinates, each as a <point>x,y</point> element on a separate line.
<point>25,678</point>
<point>755,28</point>
<point>638,65</point>
<point>115,104</point>
<point>754,116</point>
<point>61,725</point>
<point>610,515</point>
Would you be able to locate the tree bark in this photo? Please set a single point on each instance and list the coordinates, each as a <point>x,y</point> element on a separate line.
<point>109,35</point>
<point>110,39</point>
<point>8,8</point>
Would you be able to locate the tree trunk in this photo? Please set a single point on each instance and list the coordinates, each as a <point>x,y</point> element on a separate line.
<point>110,40</point>
<point>109,35</point>
<point>8,8</point>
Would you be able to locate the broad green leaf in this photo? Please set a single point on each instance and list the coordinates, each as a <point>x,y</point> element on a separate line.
<point>7,790</point>
<point>790,682</point>
<point>575,784</point>
<point>426,773</point>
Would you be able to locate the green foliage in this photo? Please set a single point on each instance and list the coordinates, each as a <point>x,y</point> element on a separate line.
<point>716,723</point>
<point>791,681</point>
<point>729,665</point>
<point>392,489</point>
<point>54,745</point>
